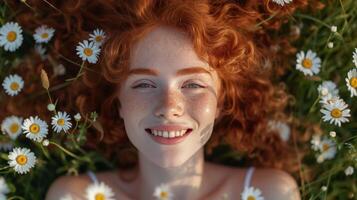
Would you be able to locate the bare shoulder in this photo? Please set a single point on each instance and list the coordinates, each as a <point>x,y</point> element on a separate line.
<point>276,184</point>
<point>68,185</point>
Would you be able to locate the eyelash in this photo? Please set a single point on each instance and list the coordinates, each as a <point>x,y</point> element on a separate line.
<point>137,86</point>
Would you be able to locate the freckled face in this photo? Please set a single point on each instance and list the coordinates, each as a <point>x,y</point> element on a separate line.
<point>164,94</point>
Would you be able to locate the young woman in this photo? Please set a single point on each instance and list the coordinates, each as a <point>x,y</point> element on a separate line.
<point>177,77</point>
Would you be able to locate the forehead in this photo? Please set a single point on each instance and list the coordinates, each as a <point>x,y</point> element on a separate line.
<point>165,47</point>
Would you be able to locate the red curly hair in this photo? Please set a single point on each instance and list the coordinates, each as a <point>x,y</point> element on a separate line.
<point>223,34</point>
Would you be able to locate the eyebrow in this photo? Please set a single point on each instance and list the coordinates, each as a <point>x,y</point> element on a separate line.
<point>181,72</point>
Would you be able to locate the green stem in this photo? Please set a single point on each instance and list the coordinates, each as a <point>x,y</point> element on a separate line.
<point>53,6</point>
<point>45,152</point>
<point>16,197</point>
<point>313,105</point>
<point>265,20</point>
<point>3,168</point>
<point>66,151</point>
<point>79,73</point>
<point>313,19</point>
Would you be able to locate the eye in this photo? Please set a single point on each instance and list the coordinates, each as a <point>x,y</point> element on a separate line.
<point>141,84</point>
<point>196,85</point>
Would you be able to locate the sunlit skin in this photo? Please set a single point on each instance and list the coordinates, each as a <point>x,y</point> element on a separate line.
<point>176,88</point>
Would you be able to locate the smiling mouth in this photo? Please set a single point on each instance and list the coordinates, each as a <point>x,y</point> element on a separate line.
<point>169,134</point>
<point>168,137</point>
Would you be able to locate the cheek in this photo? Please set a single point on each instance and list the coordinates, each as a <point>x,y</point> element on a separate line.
<point>134,105</point>
<point>202,106</point>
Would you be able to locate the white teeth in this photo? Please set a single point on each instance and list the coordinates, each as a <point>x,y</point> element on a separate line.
<point>177,133</point>
<point>182,132</point>
<point>168,134</point>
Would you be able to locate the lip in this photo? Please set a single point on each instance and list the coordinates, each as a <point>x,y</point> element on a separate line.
<point>169,127</point>
<point>169,141</point>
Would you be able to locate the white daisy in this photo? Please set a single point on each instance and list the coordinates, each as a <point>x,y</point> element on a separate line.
<point>315,142</point>
<point>351,82</point>
<point>334,29</point>
<point>41,50</point>
<point>336,112</point>
<point>327,149</point>
<point>330,45</point>
<point>45,142</point>
<point>282,2</point>
<point>11,36</point>
<point>97,191</point>
<point>59,70</point>
<point>88,51</point>
<point>51,107</point>
<point>13,84</point>
<point>22,159</point>
<point>77,117</point>
<point>327,90</point>
<point>354,56</point>
<point>35,128</point>
<point>6,146</point>
<point>328,99</point>
<point>332,133</point>
<point>3,196</point>
<point>4,189</point>
<point>282,128</point>
<point>324,188</point>
<point>43,34</point>
<point>251,193</point>
<point>309,64</point>
<point>12,126</point>
<point>98,36</point>
<point>61,121</point>
<point>349,171</point>
<point>330,86</point>
<point>163,192</point>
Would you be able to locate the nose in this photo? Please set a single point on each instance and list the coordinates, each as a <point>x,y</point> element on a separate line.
<point>170,105</point>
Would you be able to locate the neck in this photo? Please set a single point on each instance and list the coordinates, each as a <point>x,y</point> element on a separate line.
<point>183,181</point>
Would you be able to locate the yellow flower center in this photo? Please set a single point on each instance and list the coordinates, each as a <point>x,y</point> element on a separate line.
<point>60,122</point>
<point>98,38</point>
<point>11,36</point>
<point>44,35</point>
<point>14,128</point>
<point>307,63</point>
<point>336,113</point>
<point>353,82</point>
<point>325,147</point>
<point>34,128</point>
<point>88,51</point>
<point>164,195</point>
<point>21,159</point>
<point>99,196</point>
<point>14,86</point>
<point>251,198</point>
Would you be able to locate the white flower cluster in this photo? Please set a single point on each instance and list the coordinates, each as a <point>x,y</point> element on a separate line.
<point>325,147</point>
<point>89,50</point>
<point>11,37</point>
<point>36,129</point>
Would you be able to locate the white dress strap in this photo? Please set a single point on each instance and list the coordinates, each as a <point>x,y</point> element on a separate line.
<point>248,177</point>
<point>92,176</point>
